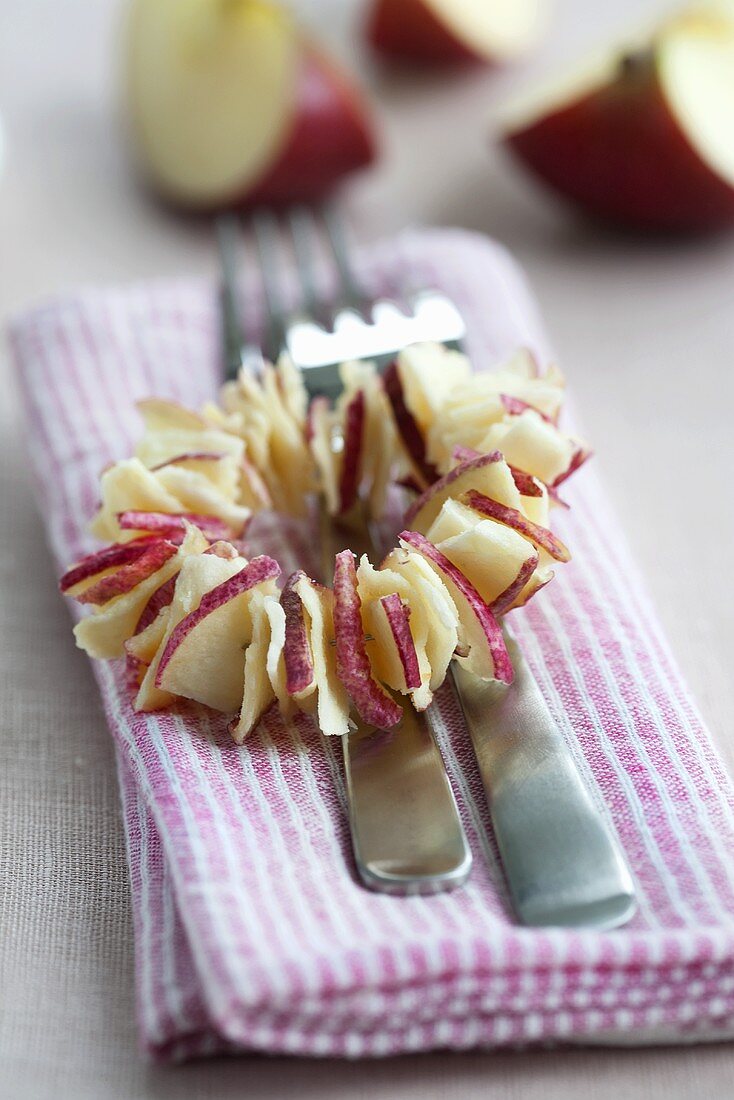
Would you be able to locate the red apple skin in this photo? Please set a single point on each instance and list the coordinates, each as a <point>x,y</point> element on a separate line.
<point>620,154</point>
<point>129,576</point>
<point>409,29</point>
<point>331,135</point>
<point>493,509</point>
<point>118,554</point>
<point>407,426</point>
<point>299,669</point>
<point>372,702</point>
<point>354,418</point>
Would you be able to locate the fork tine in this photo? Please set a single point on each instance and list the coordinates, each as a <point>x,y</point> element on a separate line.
<point>303,231</point>
<point>228,242</point>
<point>266,229</point>
<point>350,296</point>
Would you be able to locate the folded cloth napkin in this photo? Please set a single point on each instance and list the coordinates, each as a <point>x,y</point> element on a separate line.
<point>252,931</point>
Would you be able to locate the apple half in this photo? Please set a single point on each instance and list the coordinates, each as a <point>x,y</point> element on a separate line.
<point>447,31</point>
<point>644,135</point>
<point>229,106</point>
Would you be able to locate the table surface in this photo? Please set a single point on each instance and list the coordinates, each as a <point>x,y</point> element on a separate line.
<point>644,333</point>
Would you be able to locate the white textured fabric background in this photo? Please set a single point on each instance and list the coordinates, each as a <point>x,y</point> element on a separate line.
<point>645,333</point>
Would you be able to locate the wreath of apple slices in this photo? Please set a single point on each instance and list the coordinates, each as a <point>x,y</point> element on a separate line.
<point>483,455</point>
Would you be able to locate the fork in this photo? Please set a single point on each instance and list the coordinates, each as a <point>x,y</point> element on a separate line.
<point>562,862</point>
<point>407,835</point>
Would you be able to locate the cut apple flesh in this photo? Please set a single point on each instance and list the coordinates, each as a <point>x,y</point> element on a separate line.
<point>258,691</point>
<point>211,89</point>
<point>644,137</point>
<point>455,30</point>
<point>490,555</point>
<point>332,701</point>
<point>396,636</point>
<point>479,632</point>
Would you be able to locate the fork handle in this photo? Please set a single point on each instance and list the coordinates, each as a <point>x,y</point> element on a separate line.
<point>561,860</point>
<point>407,836</point>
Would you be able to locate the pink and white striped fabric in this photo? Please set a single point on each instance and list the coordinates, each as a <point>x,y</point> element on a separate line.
<point>251,929</point>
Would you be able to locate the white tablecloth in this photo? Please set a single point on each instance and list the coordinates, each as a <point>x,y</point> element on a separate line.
<point>644,332</point>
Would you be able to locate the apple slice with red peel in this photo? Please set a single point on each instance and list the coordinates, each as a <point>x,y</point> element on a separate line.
<point>130,486</point>
<point>352,451</point>
<point>516,406</point>
<point>332,701</point>
<point>451,31</point>
<point>408,429</point>
<point>397,615</point>
<point>143,645</point>
<point>203,657</point>
<point>128,576</point>
<point>275,660</point>
<point>479,632</point>
<point>258,694</point>
<point>643,135</point>
<point>512,517</point>
<point>374,705</point>
<point>433,617</point>
<point>168,526</point>
<point>396,637</point>
<point>101,561</point>
<point>104,633</point>
<point>274,121</point>
<point>161,598</point>
<point>533,444</point>
<point>489,473</point>
<point>581,455</point>
<point>199,496</point>
<point>299,666</point>
<point>490,555</point>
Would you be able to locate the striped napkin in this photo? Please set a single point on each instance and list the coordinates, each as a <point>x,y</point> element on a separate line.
<point>252,932</point>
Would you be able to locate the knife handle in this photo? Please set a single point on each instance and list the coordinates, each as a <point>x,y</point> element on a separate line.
<point>562,862</point>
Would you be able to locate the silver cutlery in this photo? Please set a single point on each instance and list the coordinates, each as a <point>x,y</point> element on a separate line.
<point>561,859</point>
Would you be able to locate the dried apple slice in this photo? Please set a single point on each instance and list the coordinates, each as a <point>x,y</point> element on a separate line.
<point>130,486</point>
<point>332,701</point>
<point>172,527</point>
<point>101,563</point>
<point>532,444</point>
<point>129,576</point>
<point>142,646</point>
<point>299,664</point>
<point>432,608</point>
<point>513,517</point>
<point>197,494</point>
<point>104,633</point>
<point>320,438</point>
<point>408,429</point>
<point>479,632</point>
<point>374,705</point>
<point>396,631</point>
<point>258,692</point>
<point>490,555</point>
<point>488,474</point>
<point>203,655</point>
<point>275,660</point>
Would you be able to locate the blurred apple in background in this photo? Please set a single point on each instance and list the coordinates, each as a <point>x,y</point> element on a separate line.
<point>229,105</point>
<point>448,31</point>
<point>644,135</point>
